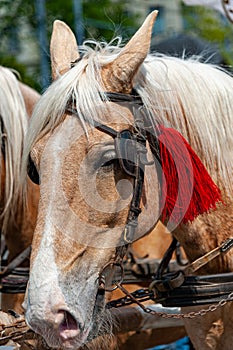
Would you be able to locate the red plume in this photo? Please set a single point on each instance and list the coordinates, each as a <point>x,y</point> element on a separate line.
<point>187,188</point>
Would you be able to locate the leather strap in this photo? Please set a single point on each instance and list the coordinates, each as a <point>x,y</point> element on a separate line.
<point>203,260</point>
<point>198,290</point>
<point>16,262</point>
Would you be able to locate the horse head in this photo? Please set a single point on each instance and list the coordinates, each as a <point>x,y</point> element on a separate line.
<point>82,141</point>
<point>17,221</point>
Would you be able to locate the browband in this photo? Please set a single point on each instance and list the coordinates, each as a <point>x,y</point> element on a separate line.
<point>118,97</point>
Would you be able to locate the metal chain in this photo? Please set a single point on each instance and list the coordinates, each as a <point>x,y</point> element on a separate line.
<point>142,295</point>
<point>193,314</point>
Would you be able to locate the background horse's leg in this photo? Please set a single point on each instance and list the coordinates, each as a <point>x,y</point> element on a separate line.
<point>212,331</point>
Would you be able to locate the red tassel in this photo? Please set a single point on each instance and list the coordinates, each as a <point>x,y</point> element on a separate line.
<point>187,188</point>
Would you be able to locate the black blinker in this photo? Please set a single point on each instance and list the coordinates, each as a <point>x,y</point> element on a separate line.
<point>32,171</point>
<point>125,144</point>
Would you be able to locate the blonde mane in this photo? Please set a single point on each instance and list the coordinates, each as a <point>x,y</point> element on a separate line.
<point>192,97</point>
<point>196,99</point>
<point>14,121</point>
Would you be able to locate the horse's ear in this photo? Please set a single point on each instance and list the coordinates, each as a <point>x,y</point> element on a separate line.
<point>63,49</point>
<point>118,75</point>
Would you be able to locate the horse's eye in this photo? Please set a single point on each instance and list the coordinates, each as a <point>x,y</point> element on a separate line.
<point>108,161</point>
<point>32,171</point>
<point>108,166</point>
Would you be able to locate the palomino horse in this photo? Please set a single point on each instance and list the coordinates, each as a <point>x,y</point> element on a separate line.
<point>18,101</point>
<point>17,222</point>
<point>81,142</point>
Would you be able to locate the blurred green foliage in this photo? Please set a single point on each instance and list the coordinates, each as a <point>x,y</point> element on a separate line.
<point>12,62</point>
<point>211,26</point>
<point>102,20</point>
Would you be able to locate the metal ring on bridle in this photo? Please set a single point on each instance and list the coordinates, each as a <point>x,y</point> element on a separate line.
<point>115,284</point>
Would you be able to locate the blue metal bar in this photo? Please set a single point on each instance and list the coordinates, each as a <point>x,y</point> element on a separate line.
<point>43,43</point>
<point>78,20</point>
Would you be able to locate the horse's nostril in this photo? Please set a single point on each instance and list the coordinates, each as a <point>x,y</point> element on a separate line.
<point>66,325</point>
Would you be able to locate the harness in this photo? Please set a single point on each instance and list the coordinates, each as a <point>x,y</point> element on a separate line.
<point>169,286</point>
